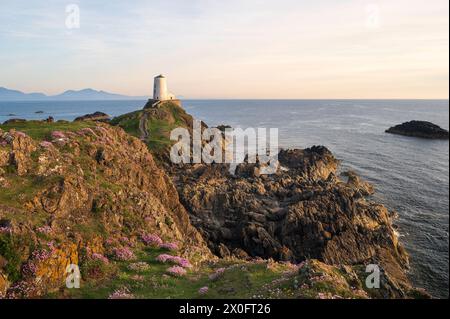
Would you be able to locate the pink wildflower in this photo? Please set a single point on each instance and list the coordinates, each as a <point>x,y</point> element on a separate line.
<point>219,273</point>
<point>164,258</point>
<point>121,293</point>
<point>45,144</point>
<point>44,230</point>
<point>203,290</point>
<point>180,261</point>
<point>5,230</point>
<point>184,263</point>
<point>170,246</point>
<point>58,135</point>
<point>41,255</point>
<point>176,271</point>
<point>20,134</point>
<point>123,254</point>
<point>100,257</point>
<point>152,240</point>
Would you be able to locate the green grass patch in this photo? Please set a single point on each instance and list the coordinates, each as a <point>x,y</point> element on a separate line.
<point>24,188</point>
<point>40,130</point>
<point>239,281</point>
<point>129,122</point>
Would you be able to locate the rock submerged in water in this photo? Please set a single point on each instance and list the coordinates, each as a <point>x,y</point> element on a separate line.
<point>420,129</point>
<point>97,116</point>
<point>14,121</point>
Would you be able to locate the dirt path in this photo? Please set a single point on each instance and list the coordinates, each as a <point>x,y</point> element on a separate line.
<point>143,123</point>
<point>143,126</point>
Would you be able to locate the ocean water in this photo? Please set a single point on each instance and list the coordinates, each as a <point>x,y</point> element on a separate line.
<point>411,175</point>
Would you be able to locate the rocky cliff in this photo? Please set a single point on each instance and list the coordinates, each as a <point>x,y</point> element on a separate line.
<point>73,192</point>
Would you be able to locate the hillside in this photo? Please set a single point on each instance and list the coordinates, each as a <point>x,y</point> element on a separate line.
<point>153,126</point>
<point>78,189</point>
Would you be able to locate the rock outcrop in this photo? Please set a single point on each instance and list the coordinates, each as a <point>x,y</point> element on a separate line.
<point>97,116</point>
<point>420,129</point>
<point>303,211</point>
<point>79,191</point>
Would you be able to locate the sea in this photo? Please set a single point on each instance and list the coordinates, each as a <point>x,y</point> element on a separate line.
<point>411,175</point>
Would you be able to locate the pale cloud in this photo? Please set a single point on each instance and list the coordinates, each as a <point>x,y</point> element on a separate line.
<point>230,49</point>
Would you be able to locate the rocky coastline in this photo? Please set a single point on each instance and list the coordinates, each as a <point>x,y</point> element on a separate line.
<point>76,191</point>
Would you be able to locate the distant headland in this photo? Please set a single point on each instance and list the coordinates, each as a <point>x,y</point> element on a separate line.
<point>7,95</point>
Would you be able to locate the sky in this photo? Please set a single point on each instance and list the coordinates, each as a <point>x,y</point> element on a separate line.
<point>280,49</point>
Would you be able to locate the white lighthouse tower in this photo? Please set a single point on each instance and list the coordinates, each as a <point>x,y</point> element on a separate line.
<point>160,91</point>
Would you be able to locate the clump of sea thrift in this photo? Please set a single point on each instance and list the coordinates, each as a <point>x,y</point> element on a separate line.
<point>45,144</point>
<point>152,240</point>
<point>203,290</point>
<point>37,256</point>
<point>121,293</point>
<point>41,255</point>
<point>100,257</point>
<point>177,271</point>
<point>44,230</point>
<point>20,289</point>
<point>5,230</point>
<point>139,267</point>
<point>218,274</point>
<point>58,135</point>
<point>177,260</point>
<point>123,254</point>
<point>170,246</point>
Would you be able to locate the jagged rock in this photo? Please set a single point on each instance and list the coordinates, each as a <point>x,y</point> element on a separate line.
<point>304,211</point>
<point>97,116</point>
<point>4,283</point>
<point>21,148</point>
<point>14,121</point>
<point>420,129</point>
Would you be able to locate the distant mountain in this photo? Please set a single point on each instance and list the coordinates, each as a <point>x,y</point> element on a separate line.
<point>89,94</point>
<point>13,95</point>
<point>71,95</point>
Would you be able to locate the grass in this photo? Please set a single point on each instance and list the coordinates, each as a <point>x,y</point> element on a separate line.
<point>40,130</point>
<point>170,116</point>
<point>129,122</point>
<point>239,281</point>
<point>24,188</point>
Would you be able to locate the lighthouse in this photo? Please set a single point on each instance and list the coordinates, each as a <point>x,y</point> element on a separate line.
<point>160,91</point>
